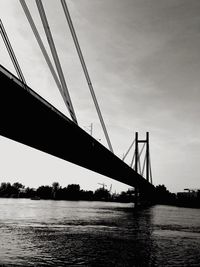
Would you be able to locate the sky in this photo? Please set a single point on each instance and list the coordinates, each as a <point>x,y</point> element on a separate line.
<point>144,62</point>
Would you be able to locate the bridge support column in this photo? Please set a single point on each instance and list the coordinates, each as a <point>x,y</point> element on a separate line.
<point>136,197</point>
<point>136,152</point>
<point>147,156</point>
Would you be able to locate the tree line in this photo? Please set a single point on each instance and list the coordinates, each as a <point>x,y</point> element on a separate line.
<point>57,192</point>
<point>74,192</point>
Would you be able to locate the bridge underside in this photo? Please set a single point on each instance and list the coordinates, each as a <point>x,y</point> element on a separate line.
<point>29,119</point>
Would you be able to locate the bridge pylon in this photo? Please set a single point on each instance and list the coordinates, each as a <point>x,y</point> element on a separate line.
<point>142,198</point>
<point>147,163</point>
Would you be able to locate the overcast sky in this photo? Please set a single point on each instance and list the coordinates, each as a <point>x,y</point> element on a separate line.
<point>144,61</point>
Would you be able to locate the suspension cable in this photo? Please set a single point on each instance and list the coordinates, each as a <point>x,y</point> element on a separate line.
<point>55,58</point>
<point>11,53</point>
<point>132,161</point>
<point>139,164</point>
<point>75,39</point>
<point>140,156</point>
<point>143,166</point>
<point>128,150</point>
<point>141,150</point>
<point>44,52</point>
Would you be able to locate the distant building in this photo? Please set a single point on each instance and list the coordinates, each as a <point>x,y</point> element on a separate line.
<point>189,196</point>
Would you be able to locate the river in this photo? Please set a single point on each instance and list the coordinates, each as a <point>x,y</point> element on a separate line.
<point>81,233</point>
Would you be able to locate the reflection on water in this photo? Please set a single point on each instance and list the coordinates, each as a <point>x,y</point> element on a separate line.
<point>63,233</point>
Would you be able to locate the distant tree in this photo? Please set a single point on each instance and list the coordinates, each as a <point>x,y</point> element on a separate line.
<point>86,195</point>
<point>163,196</point>
<point>3,186</point>
<point>55,188</point>
<point>102,194</point>
<point>72,192</point>
<point>6,190</point>
<point>16,188</point>
<point>73,187</point>
<point>29,193</point>
<point>18,185</point>
<point>44,192</point>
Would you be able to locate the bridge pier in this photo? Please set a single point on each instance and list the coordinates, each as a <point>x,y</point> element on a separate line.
<point>143,198</point>
<point>136,198</point>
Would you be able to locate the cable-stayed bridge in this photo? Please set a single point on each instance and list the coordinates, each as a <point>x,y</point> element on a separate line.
<point>29,119</point>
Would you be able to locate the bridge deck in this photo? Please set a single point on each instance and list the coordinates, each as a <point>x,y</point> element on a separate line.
<point>29,119</point>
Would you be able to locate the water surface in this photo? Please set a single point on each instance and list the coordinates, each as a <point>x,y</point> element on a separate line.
<point>81,233</point>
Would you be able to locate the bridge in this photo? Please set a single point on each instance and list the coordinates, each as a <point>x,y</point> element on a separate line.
<point>29,119</point>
